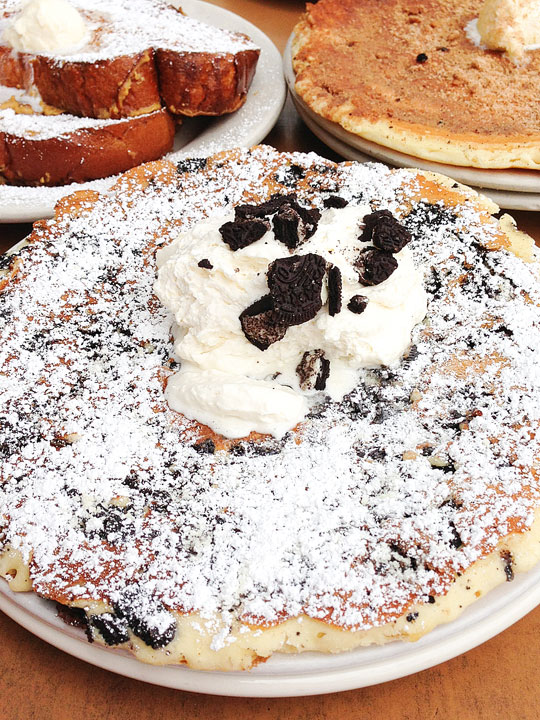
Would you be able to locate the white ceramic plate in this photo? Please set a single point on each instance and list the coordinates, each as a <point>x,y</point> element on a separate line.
<point>516,189</point>
<point>198,137</point>
<point>294,675</point>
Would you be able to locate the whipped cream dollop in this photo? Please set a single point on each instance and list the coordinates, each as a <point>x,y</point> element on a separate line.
<point>509,25</point>
<point>47,26</point>
<point>233,386</point>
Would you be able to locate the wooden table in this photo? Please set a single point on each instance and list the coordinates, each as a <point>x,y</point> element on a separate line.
<point>500,679</point>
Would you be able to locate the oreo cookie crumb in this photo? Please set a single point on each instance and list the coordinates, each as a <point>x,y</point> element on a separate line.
<point>335,201</point>
<point>113,630</point>
<point>375,266</point>
<point>206,447</point>
<point>191,165</point>
<point>385,232</point>
<point>313,370</point>
<point>357,304</point>
<point>146,617</point>
<point>5,261</point>
<point>335,287</point>
<point>205,263</point>
<point>506,556</point>
<point>295,285</point>
<point>246,211</point>
<point>239,234</point>
<point>287,227</point>
<point>261,325</point>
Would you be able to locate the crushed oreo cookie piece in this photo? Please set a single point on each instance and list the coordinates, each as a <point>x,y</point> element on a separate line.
<point>239,234</point>
<point>292,222</point>
<point>357,304</point>
<point>260,324</point>
<point>310,219</point>
<point>205,263</point>
<point>385,232</point>
<point>288,227</point>
<point>506,556</point>
<point>335,287</point>
<point>295,285</point>
<point>248,212</point>
<point>146,617</point>
<point>6,261</point>
<point>455,541</point>
<point>375,266</point>
<point>75,617</point>
<point>113,630</point>
<point>191,165</point>
<point>206,447</point>
<point>313,370</point>
<point>335,201</point>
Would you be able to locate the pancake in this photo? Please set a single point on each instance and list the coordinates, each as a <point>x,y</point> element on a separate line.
<point>406,76</point>
<point>376,518</point>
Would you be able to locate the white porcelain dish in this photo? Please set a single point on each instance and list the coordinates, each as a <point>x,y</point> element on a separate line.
<point>197,137</point>
<point>515,189</point>
<point>294,675</point>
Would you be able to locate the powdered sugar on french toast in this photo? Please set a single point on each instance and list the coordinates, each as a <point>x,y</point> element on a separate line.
<point>127,27</point>
<point>44,127</point>
<point>332,520</point>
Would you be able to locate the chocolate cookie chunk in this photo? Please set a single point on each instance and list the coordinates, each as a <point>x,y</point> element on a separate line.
<point>357,304</point>
<point>114,630</point>
<point>375,266</point>
<point>243,212</point>
<point>335,201</point>
<point>239,234</point>
<point>385,232</point>
<point>288,227</point>
<point>293,224</point>
<point>335,286</point>
<point>313,370</point>
<point>295,285</point>
<point>146,617</point>
<point>260,324</point>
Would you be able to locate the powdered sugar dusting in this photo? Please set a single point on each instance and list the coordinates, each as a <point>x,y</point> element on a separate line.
<point>126,28</point>
<point>339,525</point>
<point>43,127</point>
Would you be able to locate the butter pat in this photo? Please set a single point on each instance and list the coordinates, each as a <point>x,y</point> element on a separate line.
<point>47,26</point>
<point>510,25</point>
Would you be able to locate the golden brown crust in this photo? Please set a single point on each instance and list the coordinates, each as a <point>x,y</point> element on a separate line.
<point>122,87</point>
<point>86,154</point>
<point>203,84</point>
<point>189,83</point>
<point>406,76</point>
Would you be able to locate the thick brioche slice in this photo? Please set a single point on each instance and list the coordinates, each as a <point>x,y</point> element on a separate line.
<point>139,54</point>
<point>57,149</point>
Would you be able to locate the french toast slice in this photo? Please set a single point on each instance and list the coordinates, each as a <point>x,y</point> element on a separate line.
<point>139,56</point>
<point>50,148</point>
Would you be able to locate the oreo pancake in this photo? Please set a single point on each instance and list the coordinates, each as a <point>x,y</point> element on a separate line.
<point>375,518</point>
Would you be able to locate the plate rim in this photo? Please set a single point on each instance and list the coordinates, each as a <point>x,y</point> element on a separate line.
<point>416,657</point>
<point>240,133</point>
